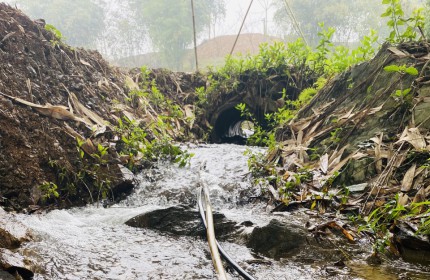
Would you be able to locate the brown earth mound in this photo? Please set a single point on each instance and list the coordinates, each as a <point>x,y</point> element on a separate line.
<point>210,52</point>
<point>37,70</point>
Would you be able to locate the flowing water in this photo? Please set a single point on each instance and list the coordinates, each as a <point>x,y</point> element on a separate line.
<point>94,243</point>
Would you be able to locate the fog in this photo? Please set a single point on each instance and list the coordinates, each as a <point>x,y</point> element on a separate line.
<point>160,33</point>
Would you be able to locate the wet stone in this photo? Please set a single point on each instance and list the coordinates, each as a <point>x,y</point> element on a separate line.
<point>182,220</point>
<point>277,240</point>
<point>15,264</point>
<point>12,233</point>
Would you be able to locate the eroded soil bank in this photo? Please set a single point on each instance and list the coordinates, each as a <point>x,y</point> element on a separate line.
<point>56,102</point>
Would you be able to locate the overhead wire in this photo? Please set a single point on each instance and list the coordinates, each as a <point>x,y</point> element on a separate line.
<point>296,25</point>
<point>241,26</point>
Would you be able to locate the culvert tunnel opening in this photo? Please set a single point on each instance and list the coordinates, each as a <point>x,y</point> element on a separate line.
<point>231,127</point>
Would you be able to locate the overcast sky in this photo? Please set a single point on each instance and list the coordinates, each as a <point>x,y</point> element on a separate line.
<point>235,12</point>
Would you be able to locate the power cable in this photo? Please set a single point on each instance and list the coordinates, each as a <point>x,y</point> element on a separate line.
<point>203,194</point>
<point>296,25</point>
<point>194,31</point>
<point>240,30</point>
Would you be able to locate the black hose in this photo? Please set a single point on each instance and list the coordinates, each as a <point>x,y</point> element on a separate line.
<point>223,253</point>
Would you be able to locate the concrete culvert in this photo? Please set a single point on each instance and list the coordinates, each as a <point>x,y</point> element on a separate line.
<point>231,127</point>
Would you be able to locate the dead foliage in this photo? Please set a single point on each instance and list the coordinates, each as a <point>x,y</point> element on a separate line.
<point>357,145</point>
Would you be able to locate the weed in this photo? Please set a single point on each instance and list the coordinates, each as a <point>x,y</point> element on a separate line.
<point>402,29</point>
<point>48,190</point>
<point>58,36</point>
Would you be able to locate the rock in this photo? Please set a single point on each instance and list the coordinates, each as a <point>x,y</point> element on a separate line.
<point>412,248</point>
<point>12,232</point>
<point>182,220</point>
<point>123,183</point>
<point>16,264</point>
<point>4,275</point>
<point>277,239</point>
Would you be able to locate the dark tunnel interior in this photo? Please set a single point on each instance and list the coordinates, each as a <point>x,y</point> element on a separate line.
<point>226,129</point>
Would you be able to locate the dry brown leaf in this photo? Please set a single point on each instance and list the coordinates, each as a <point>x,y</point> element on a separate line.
<point>85,63</point>
<point>130,84</point>
<point>375,110</point>
<point>359,155</point>
<point>341,164</point>
<point>7,36</point>
<point>273,192</point>
<point>348,115</point>
<point>335,225</point>
<point>55,111</point>
<point>336,156</point>
<point>420,196</point>
<point>378,157</point>
<point>397,52</point>
<point>21,28</point>
<point>310,133</point>
<point>72,132</point>
<point>413,137</point>
<point>408,179</point>
<point>89,147</point>
<point>300,137</point>
<point>301,124</point>
<point>189,115</point>
<point>324,163</point>
<point>85,112</point>
<point>427,191</point>
<point>403,199</point>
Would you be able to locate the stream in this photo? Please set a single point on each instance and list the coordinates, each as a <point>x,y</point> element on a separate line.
<point>95,243</point>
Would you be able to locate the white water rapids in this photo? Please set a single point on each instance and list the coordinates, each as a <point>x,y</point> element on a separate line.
<point>94,243</point>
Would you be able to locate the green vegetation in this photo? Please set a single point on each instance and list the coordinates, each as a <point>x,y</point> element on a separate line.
<point>384,219</point>
<point>48,190</point>
<point>401,28</point>
<point>402,95</point>
<point>289,184</point>
<point>58,36</point>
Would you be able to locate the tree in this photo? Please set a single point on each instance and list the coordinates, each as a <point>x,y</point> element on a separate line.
<point>169,24</point>
<point>349,18</point>
<point>80,21</point>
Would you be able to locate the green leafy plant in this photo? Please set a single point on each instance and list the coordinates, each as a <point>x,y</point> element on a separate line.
<point>402,29</point>
<point>402,69</point>
<point>58,36</point>
<point>260,137</point>
<point>403,95</point>
<point>49,190</point>
<point>380,221</point>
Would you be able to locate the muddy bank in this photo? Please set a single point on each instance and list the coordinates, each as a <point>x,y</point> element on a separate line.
<point>36,67</point>
<point>60,140</point>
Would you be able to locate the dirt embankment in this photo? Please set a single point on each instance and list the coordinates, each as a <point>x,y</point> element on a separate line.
<point>36,67</point>
<point>59,117</point>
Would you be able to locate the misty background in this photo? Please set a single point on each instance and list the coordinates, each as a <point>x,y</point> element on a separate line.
<point>132,33</point>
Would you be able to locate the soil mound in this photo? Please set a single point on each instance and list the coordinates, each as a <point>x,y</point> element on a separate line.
<point>43,84</point>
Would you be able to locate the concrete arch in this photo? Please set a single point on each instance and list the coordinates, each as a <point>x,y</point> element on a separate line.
<point>226,119</point>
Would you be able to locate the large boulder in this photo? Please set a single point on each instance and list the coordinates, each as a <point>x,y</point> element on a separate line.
<point>182,220</point>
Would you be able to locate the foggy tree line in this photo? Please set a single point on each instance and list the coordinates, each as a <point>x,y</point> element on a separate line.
<point>130,27</point>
